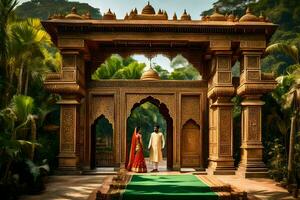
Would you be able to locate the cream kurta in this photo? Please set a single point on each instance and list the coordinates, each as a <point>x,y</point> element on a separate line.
<point>156,144</point>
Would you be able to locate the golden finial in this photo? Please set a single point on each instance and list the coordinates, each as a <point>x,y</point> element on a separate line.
<point>74,10</point>
<point>261,17</point>
<point>126,16</point>
<point>248,11</point>
<point>88,15</point>
<point>174,16</point>
<point>216,9</point>
<point>165,14</point>
<point>236,19</point>
<point>231,17</point>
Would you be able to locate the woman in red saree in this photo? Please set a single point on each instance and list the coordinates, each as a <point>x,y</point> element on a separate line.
<point>136,158</point>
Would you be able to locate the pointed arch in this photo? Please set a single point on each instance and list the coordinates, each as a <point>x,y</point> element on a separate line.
<point>102,143</point>
<point>190,140</point>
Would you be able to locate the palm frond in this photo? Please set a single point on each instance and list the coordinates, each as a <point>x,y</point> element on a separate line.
<point>290,51</point>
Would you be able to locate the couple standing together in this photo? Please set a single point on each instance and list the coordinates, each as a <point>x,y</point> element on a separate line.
<point>136,158</point>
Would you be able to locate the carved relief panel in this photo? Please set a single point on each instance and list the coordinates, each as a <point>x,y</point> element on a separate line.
<point>102,105</point>
<point>190,108</point>
<point>253,123</point>
<point>252,70</point>
<point>225,130</point>
<point>68,128</point>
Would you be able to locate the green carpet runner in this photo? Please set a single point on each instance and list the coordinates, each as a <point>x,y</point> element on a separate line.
<point>171,187</point>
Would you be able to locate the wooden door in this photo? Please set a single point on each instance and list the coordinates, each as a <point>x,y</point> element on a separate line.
<point>191,145</point>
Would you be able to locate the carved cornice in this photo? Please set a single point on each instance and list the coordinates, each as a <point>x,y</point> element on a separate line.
<point>64,88</point>
<point>220,91</point>
<point>146,84</point>
<point>171,26</point>
<point>53,76</point>
<point>256,88</point>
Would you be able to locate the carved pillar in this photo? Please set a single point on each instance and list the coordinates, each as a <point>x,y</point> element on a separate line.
<point>220,93</point>
<point>251,88</point>
<point>68,157</point>
<point>69,83</point>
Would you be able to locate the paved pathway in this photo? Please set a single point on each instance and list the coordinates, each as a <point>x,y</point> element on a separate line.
<point>68,187</point>
<point>259,188</point>
<point>81,188</point>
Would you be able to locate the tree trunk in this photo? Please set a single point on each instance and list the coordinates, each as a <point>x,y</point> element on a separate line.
<point>33,135</point>
<point>20,84</point>
<point>291,150</point>
<point>26,84</point>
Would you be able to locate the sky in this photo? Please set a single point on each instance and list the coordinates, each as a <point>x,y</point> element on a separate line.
<point>121,7</point>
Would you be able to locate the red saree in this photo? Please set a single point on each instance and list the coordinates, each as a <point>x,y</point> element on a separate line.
<point>136,158</point>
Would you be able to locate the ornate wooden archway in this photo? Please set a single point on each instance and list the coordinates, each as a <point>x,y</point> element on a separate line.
<point>212,44</point>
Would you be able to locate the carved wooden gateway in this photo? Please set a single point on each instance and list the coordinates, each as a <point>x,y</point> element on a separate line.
<point>198,113</point>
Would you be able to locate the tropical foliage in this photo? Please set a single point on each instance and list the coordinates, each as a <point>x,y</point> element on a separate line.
<point>116,67</point>
<point>27,53</point>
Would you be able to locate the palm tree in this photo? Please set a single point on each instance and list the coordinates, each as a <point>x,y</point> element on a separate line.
<point>6,9</point>
<point>27,44</point>
<point>291,99</point>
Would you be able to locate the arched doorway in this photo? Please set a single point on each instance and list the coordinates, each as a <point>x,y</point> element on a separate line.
<point>102,143</point>
<point>190,140</point>
<point>166,127</point>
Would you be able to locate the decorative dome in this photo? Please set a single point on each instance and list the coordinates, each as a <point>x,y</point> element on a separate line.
<point>185,16</point>
<point>150,75</point>
<point>249,17</point>
<point>231,18</point>
<point>148,10</point>
<point>174,16</point>
<point>109,15</point>
<point>73,14</point>
<point>216,16</point>
<point>261,17</point>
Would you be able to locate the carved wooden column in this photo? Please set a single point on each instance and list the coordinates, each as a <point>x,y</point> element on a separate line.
<point>251,88</point>
<point>69,83</point>
<point>220,93</point>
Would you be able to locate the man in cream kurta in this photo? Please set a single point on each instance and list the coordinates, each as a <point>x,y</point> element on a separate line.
<point>156,144</point>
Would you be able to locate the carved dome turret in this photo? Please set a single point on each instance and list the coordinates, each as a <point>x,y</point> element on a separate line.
<point>216,16</point>
<point>150,75</point>
<point>249,17</point>
<point>185,16</point>
<point>174,17</point>
<point>73,14</point>
<point>109,15</point>
<point>231,18</point>
<point>261,17</point>
<point>148,10</point>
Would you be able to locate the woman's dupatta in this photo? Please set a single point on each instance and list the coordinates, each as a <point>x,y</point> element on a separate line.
<point>132,151</point>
